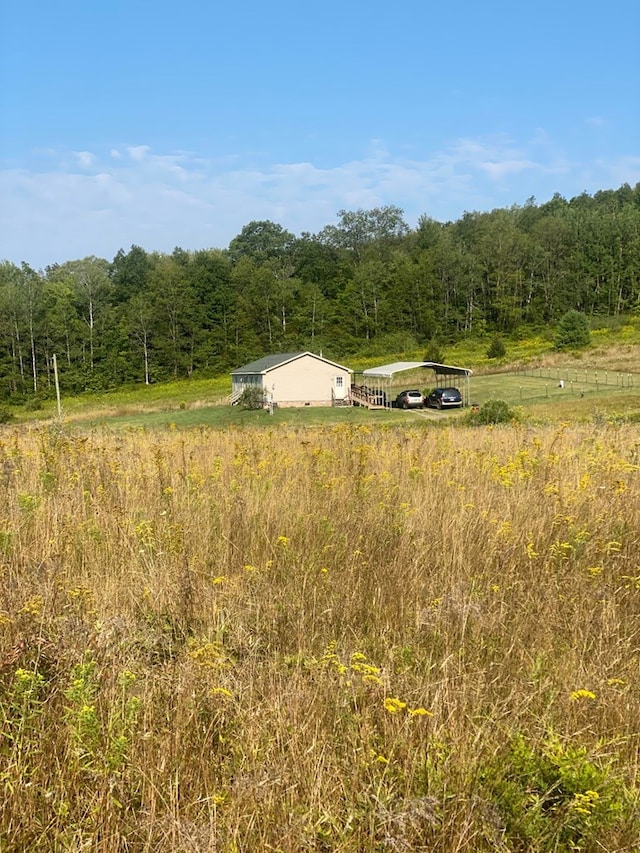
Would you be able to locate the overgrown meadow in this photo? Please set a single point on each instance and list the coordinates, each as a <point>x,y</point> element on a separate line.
<point>343,638</point>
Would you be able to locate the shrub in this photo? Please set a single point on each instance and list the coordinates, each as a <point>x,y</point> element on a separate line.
<point>492,412</point>
<point>496,348</point>
<point>6,414</point>
<point>555,795</point>
<point>252,398</point>
<point>434,353</point>
<point>33,404</point>
<point>573,331</point>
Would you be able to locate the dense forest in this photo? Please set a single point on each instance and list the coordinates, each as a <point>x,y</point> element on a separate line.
<point>370,283</point>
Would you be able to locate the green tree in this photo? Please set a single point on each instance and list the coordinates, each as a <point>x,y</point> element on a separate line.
<point>138,323</point>
<point>573,331</point>
<point>380,228</point>
<point>12,329</point>
<point>496,348</point>
<point>92,289</point>
<point>261,240</point>
<point>128,273</point>
<point>175,321</point>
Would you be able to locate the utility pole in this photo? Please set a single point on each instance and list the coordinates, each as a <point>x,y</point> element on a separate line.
<point>55,376</point>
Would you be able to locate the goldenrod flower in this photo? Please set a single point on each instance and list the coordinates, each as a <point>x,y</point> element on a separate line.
<point>221,691</point>
<point>582,694</point>
<point>393,705</point>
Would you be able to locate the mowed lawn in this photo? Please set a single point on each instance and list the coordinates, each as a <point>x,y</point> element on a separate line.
<point>536,393</point>
<point>539,396</point>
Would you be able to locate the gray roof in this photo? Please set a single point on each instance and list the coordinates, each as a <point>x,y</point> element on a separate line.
<point>268,362</point>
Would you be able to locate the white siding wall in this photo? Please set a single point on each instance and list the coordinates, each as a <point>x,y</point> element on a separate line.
<point>305,380</point>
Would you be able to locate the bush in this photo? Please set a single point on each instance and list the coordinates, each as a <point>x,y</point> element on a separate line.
<point>496,348</point>
<point>6,414</point>
<point>492,412</point>
<point>434,353</point>
<point>33,404</point>
<point>573,332</point>
<point>555,796</point>
<point>252,398</point>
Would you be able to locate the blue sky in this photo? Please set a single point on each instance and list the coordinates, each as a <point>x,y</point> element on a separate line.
<point>175,124</point>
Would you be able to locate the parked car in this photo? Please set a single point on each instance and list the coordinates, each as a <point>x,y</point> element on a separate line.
<point>444,398</point>
<point>410,400</point>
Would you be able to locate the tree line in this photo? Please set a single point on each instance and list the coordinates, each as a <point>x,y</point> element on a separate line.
<point>369,283</point>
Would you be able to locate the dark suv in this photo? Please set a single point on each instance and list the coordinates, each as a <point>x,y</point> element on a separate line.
<point>410,400</point>
<point>444,398</point>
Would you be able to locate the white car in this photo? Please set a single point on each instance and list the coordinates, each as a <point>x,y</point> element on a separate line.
<point>410,400</point>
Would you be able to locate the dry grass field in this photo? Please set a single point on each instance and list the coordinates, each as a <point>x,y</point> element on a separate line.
<point>335,638</point>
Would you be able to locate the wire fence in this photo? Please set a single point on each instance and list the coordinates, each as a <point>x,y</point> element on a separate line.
<point>548,381</point>
<point>583,376</point>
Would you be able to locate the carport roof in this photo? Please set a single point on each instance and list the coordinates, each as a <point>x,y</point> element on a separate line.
<point>388,370</point>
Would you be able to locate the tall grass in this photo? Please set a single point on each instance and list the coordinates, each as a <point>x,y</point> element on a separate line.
<point>341,638</point>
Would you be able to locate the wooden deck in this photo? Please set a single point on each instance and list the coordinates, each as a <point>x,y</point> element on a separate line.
<point>366,397</point>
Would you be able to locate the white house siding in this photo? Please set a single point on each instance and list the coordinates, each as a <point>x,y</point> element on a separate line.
<point>305,381</point>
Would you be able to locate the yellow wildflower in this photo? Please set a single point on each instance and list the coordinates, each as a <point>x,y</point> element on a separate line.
<point>582,694</point>
<point>221,691</point>
<point>393,705</point>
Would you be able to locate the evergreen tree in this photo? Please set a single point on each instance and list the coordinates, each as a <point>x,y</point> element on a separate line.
<point>573,331</point>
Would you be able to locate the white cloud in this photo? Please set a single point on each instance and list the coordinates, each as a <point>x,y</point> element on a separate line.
<point>138,152</point>
<point>85,158</point>
<point>623,170</point>
<point>131,194</point>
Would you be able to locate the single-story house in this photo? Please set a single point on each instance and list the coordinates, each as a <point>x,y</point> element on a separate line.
<point>294,379</point>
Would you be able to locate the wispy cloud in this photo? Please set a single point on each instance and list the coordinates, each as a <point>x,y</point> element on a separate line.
<point>85,158</point>
<point>64,205</point>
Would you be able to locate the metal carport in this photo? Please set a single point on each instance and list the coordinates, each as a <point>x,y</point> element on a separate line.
<point>382,376</point>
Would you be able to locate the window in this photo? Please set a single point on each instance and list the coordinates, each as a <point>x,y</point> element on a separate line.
<point>339,381</point>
